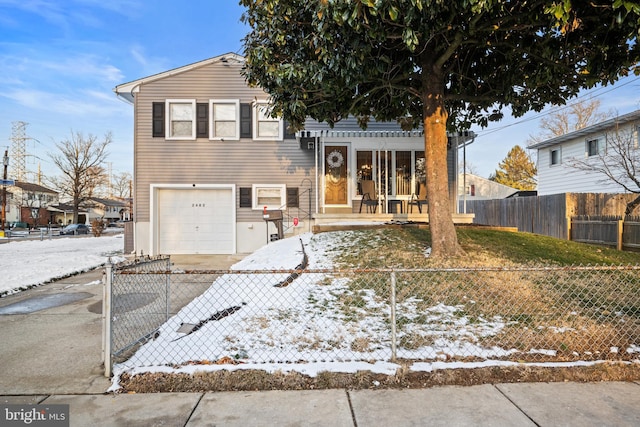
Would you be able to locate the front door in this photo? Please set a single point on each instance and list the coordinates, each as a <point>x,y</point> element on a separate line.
<point>335,175</point>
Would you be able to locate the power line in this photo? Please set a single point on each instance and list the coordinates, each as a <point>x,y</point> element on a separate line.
<point>558,108</point>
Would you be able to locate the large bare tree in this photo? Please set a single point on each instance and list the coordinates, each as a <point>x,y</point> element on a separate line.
<point>617,161</point>
<point>121,185</point>
<point>79,158</point>
<point>575,116</point>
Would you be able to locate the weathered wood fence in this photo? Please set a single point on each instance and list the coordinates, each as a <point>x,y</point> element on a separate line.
<point>585,217</point>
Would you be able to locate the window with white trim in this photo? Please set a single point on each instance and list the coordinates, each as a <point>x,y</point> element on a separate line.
<point>181,123</point>
<point>271,196</point>
<point>225,119</point>
<point>555,157</point>
<point>593,147</point>
<point>266,127</point>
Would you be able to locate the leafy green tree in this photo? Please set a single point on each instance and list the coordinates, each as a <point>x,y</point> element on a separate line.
<point>432,64</point>
<point>517,170</point>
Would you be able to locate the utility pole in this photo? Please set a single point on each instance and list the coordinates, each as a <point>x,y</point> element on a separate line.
<point>5,162</point>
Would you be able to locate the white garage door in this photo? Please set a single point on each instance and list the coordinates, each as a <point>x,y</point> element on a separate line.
<point>195,221</point>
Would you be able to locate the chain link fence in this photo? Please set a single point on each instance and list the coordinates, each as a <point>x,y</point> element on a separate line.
<point>538,314</point>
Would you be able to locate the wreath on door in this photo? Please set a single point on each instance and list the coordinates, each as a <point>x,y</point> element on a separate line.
<point>335,159</point>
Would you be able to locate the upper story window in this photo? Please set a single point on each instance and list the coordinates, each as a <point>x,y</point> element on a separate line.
<point>266,127</point>
<point>593,147</point>
<point>181,123</point>
<point>555,157</point>
<point>225,119</point>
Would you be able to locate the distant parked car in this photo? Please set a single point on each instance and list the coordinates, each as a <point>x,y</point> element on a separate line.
<point>73,229</point>
<point>18,229</point>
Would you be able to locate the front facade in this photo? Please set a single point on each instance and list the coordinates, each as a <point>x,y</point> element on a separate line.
<point>209,161</point>
<point>555,156</point>
<point>108,210</point>
<point>28,202</point>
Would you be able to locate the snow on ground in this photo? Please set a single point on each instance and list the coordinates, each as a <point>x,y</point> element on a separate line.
<point>294,320</point>
<point>27,263</point>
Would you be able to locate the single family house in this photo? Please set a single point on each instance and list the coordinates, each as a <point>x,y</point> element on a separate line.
<point>559,157</point>
<point>28,202</point>
<point>215,174</point>
<point>108,210</point>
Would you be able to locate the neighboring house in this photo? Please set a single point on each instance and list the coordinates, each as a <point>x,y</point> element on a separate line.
<point>62,214</point>
<point>555,174</point>
<point>208,161</point>
<point>474,187</point>
<point>28,203</point>
<point>109,210</point>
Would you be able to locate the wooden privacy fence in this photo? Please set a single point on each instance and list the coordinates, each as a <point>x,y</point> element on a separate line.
<point>584,217</point>
<point>606,230</point>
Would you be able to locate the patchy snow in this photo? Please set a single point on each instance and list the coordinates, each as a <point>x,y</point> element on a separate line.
<point>258,333</point>
<point>28,263</point>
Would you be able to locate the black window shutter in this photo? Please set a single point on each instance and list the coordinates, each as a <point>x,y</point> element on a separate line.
<point>245,121</point>
<point>288,133</point>
<point>245,197</point>
<point>158,119</point>
<point>202,120</point>
<point>293,200</point>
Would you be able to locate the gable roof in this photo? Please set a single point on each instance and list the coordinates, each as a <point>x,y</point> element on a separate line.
<point>127,91</point>
<point>105,202</point>
<point>607,124</point>
<point>35,188</point>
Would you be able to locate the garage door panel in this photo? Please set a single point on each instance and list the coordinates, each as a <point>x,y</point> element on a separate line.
<point>195,221</point>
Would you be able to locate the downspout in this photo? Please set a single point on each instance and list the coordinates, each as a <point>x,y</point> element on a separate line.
<point>464,174</point>
<point>318,174</point>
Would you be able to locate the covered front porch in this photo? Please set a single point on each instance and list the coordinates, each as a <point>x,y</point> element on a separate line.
<point>376,176</point>
<point>337,221</point>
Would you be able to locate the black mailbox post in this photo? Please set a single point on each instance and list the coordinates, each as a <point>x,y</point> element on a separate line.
<point>274,216</point>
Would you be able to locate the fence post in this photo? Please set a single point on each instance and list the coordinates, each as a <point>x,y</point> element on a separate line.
<point>168,288</point>
<point>106,319</point>
<point>619,234</point>
<point>393,317</point>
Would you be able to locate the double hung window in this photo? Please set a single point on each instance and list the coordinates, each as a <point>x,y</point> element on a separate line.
<point>555,157</point>
<point>225,119</point>
<point>180,118</point>
<point>266,127</point>
<point>593,147</point>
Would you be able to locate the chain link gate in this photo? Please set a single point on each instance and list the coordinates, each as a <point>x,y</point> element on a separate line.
<point>531,314</point>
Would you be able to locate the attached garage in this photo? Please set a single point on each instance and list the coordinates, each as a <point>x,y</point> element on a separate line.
<point>196,219</point>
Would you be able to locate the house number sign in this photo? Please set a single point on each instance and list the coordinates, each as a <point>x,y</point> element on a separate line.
<point>198,205</point>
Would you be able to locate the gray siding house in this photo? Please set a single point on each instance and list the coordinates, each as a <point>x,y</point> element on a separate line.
<point>208,162</point>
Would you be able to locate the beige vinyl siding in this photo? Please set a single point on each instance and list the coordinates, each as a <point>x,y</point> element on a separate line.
<point>244,162</point>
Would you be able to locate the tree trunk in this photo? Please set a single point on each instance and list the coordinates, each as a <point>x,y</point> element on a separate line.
<point>444,240</point>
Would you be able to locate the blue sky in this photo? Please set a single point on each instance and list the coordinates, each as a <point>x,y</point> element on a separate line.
<point>61,59</point>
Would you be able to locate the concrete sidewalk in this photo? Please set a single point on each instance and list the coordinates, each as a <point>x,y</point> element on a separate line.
<point>531,404</point>
<point>52,355</point>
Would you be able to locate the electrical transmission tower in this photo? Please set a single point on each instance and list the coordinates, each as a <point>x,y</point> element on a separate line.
<point>18,151</point>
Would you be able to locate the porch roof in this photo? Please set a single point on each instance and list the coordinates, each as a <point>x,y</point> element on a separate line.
<point>461,138</point>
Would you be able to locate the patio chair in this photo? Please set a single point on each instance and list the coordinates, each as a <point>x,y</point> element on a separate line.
<point>369,196</point>
<point>419,200</point>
